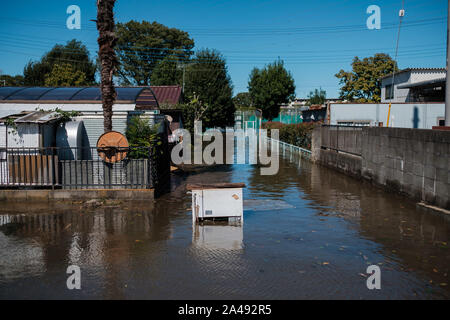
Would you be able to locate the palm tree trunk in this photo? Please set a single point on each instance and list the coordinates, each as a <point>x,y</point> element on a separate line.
<point>108,60</point>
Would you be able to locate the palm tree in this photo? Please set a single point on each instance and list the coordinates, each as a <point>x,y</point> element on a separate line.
<point>108,60</point>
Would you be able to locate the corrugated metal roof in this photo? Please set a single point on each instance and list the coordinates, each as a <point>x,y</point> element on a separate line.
<point>167,94</point>
<point>413,69</point>
<point>38,117</point>
<point>11,94</point>
<point>7,113</point>
<point>422,83</point>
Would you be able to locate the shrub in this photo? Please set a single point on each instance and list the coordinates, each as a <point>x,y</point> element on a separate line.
<point>141,134</point>
<point>297,134</point>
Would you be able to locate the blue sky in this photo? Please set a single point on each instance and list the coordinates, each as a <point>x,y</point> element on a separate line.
<point>315,38</point>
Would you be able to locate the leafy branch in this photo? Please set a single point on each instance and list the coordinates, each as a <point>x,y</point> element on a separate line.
<point>9,122</point>
<point>63,116</point>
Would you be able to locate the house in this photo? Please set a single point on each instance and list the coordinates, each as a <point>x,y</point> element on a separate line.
<point>56,155</point>
<point>412,98</point>
<point>169,98</point>
<point>414,85</point>
<point>87,101</point>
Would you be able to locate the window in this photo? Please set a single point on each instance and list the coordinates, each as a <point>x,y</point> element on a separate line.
<point>389,92</point>
<point>441,122</point>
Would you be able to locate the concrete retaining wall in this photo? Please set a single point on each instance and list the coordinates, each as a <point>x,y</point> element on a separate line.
<point>76,195</point>
<point>345,163</point>
<point>413,162</point>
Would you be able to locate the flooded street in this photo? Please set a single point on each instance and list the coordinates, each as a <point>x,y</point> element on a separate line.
<point>308,233</point>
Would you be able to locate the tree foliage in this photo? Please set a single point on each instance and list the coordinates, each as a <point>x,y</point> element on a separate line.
<point>299,134</point>
<point>243,101</point>
<point>140,134</point>
<point>64,75</point>
<point>11,81</point>
<point>363,84</point>
<point>270,87</point>
<point>73,53</point>
<point>318,96</point>
<point>207,79</point>
<point>142,45</point>
<point>167,72</point>
<point>193,111</point>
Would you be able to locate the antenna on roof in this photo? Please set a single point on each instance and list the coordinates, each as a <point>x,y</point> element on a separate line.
<point>401,14</point>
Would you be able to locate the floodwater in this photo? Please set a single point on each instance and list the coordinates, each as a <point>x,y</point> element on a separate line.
<point>308,233</point>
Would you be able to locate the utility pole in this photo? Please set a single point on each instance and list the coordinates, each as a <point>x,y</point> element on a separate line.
<point>183,66</point>
<point>184,70</point>
<point>447,82</point>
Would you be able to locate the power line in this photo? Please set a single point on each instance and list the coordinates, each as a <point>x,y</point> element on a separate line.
<point>248,31</point>
<point>34,38</point>
<point>184,57</point>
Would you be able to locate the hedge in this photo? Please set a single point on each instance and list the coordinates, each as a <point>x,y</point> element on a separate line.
<point>297,134</point>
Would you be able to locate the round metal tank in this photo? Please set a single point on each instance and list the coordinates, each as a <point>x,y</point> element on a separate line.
<point>69,140</point>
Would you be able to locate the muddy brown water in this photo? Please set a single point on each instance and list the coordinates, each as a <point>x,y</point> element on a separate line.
<point>314,242</point>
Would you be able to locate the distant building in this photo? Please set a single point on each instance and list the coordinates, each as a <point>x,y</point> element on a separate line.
<point>414,85</point>
<point>301,102</point>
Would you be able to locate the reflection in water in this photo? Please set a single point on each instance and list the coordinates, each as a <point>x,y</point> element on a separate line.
<point>35,243</point>
<point>309,233</point>
<point>18,259</point>
<point>218,236</point>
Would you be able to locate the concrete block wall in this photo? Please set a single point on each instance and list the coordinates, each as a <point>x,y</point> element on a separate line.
<point>345,163</point>
<point>414,162</point>
<point>411,161</point>
<point>323,145</point>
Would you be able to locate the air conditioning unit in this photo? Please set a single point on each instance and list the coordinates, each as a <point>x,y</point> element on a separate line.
<point>217,201</point>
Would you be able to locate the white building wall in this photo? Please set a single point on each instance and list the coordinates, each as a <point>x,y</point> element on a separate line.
<point>3,135</point>
<point>404,115</point>
<point>26,135</point>
<point>400,95</point>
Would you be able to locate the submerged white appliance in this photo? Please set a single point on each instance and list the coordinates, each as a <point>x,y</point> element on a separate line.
<point>213,201</point>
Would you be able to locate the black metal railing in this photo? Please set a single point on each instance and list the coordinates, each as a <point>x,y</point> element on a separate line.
<point>83,168</point>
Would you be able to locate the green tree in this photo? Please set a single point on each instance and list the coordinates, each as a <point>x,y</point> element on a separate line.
<point>363,84</point>
<point>243,101</point>
<point>73,53</point>
<point>140,133</point>
<point>141,45</point>
<point>193,111</point>
<point>207,79</point>
<point>64,75</point>
<point>318,96</point>
<point>270,87</point>
<point>168,71</point>
<point>11,81</point>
